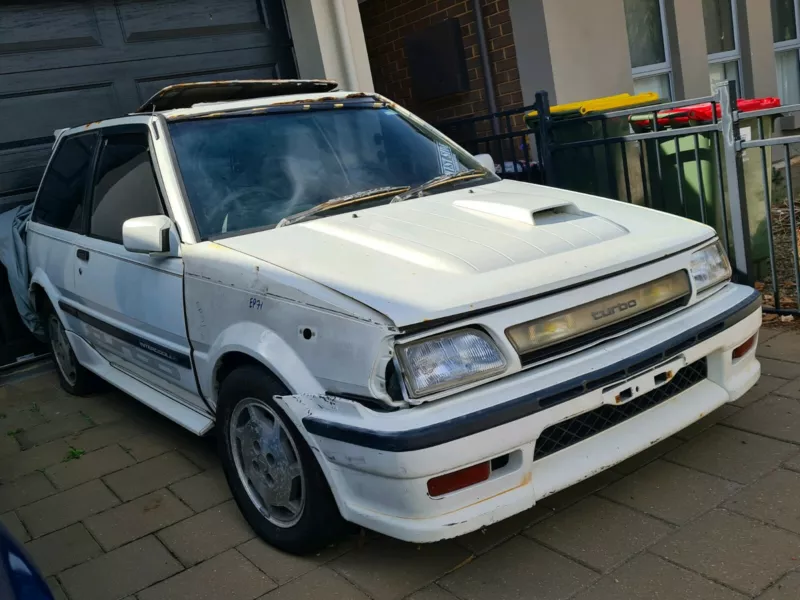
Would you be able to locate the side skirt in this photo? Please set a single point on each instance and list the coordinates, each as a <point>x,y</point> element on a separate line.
<point>168,406</point>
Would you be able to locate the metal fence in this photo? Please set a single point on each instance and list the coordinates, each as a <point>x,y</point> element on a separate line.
<point>503,135</point>
<point>721,172</point>
<point>775,183</point>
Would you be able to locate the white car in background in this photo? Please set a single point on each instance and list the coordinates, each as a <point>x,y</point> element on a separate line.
<point>382,330</point>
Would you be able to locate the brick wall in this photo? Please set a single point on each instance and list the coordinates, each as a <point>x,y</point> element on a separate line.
<point>388,22</point>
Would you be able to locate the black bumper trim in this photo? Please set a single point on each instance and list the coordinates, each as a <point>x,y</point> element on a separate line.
<point>523,406</point>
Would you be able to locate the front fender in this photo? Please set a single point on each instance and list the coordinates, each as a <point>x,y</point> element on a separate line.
<point>261,344</point>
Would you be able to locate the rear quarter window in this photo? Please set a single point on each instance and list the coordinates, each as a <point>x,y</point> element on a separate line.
<point>60,200</point>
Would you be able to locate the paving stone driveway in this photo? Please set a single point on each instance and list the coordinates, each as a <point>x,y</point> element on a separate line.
<point>114,501</point>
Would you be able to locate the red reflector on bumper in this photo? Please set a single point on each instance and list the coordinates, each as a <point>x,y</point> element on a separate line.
<point>740,351</point>
<point>457,480</point>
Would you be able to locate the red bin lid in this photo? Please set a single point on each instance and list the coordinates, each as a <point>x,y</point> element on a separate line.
<point>702,112</point>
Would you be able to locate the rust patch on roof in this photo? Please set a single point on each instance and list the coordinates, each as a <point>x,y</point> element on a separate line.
<point>303,103</point>
<point>184,95</point>
<point>322,99</point>
<point>213,115</point>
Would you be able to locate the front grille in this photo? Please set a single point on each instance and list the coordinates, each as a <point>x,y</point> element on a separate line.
<point>565,434</point>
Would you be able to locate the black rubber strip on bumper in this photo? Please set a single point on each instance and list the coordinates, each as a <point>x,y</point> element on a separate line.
<point>523,406</point>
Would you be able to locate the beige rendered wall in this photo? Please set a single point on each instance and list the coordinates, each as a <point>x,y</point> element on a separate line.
<point>357,47</point>
<point>533,50</point>
<point>588,48</point>
<point>329,42</point>
<point>758,55</point>
<point>575,49</point>
<point>688,52</point>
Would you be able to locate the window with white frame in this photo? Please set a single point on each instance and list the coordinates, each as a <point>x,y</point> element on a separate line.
<point>649,47</point>
<point>722,42</point>
<point>787,48</point>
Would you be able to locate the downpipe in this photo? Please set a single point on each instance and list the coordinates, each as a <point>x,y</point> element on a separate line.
<point>486,65</point>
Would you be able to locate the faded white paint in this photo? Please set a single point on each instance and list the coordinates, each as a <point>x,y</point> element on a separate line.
<point>322,305</point>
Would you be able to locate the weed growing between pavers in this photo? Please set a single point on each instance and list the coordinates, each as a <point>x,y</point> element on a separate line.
<point>73,454</point>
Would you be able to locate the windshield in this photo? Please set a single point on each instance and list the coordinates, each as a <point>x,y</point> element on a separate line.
<point>246,172</point>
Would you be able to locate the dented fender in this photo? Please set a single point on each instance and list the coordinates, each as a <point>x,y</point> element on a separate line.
<point>235,302</point>
<point>263,345</point>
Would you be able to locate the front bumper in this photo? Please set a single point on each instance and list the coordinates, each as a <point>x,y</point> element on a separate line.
<point>378,464</point>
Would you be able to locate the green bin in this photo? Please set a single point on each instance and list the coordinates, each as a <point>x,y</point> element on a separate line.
<point>594,169</point>
<point>698,176</point>
<point>754,191</point>
<point>699,172</point>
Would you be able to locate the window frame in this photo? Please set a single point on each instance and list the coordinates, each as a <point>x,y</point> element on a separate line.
<point>793,44</point>
<point>105,133</point>
<point>662,68</point>
<point>731,55</point>
<point>89,175</point>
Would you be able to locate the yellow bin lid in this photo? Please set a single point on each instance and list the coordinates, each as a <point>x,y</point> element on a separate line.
<point>600,104</point>
<point>606,104</point>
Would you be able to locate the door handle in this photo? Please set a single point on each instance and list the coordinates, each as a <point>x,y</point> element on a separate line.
<point>83,254</point>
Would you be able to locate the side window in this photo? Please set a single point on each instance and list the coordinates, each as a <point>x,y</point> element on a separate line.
<point>60,200</point>
<point>124,185</point>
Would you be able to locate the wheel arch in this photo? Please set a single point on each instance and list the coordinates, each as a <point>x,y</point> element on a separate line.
<point>253,344</point>
<point>42,292</point>
<point>248,343</point>
<point>232,360</point>
<point>38,297</point>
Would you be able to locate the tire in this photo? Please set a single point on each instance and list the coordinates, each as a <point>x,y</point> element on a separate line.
<point>275,478</point>
<point>74,377</point>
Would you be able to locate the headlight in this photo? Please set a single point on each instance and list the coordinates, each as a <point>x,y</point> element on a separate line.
<point>447,360</point>
<point>586,318</point>
<point>709,267</point>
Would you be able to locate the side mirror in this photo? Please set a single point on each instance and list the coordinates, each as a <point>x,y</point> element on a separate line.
<point>147,235</point>
<point>486,161</point>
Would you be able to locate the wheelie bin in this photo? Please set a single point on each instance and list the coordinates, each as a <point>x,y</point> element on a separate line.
<point>595,169</point>
<point>688,162</point>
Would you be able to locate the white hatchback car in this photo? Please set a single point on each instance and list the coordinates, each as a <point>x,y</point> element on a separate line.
<point>382,330</point>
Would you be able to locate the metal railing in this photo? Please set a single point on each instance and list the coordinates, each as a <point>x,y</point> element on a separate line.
<point>510,147</point>
<point>684,171</point>
<point>720,172</point>
<point>776,184</point>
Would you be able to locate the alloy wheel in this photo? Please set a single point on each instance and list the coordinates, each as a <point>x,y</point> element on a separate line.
<point>267,462</point>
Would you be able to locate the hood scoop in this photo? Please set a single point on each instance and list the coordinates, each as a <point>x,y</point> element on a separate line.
<point>522,213</point>
<point>449,254</point>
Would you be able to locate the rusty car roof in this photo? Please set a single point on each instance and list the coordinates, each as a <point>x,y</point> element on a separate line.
<point>186,95</point>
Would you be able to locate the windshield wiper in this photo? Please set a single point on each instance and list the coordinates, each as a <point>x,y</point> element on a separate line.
<point>419,190</point>
<point>403,192</point>
<point>343,201</point>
